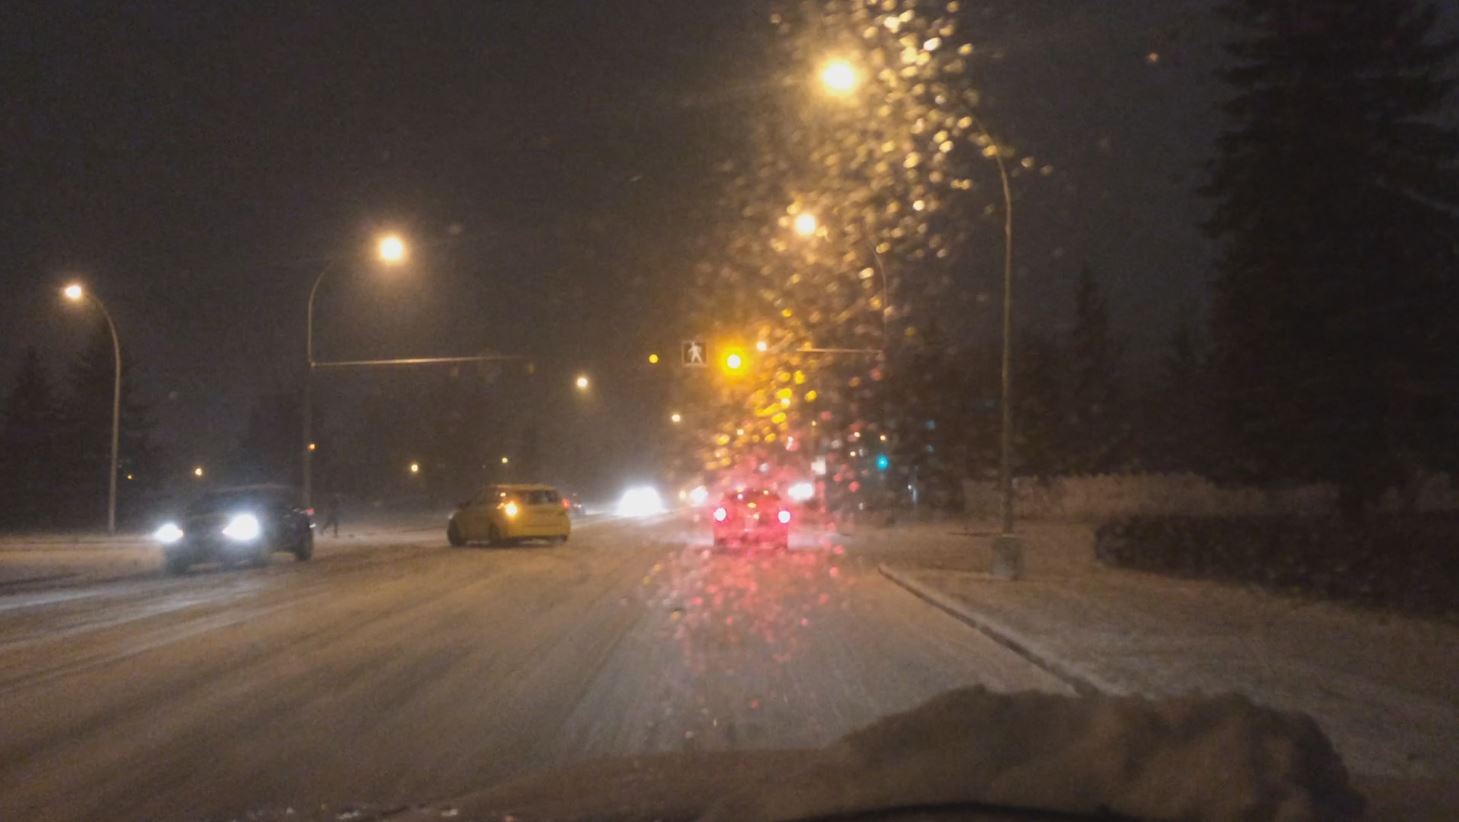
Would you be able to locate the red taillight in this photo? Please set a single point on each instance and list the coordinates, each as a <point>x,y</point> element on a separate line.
<point>784,517</point>
<point>309,511</point>
<point>720,514</point>
<point>567,505</point>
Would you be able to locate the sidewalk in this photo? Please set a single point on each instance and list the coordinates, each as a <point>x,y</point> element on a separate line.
<point>1385,688</point>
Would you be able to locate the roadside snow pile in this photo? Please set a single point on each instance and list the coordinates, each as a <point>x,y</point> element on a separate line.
<point>1199,758</point>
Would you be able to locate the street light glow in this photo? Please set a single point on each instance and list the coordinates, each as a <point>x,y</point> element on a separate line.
<point>391,249</point>
<point>733,361</point>
<point>839,77</point>
<point>806,224</point>
<point>415,468</point>
<point>676,418</point>
<point>653,359</point>
<point>198,471</point>
<point>74,292</point>
<point>582,382</point>
<point>506,460</point>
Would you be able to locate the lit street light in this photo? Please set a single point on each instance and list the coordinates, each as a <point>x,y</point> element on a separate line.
<point>806,224</point>
<point>506,460</point>
<point>676,418</point>
<point>198,471</point>
<point>415,468</point>
<point>839,78</point>
<point>389,249</point>
<point>733,361</point>
<point>76,293</point>
<point>653,359</point>
<point>582,382</point>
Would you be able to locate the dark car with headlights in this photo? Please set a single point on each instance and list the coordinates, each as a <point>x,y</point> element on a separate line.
<point>241,525</point>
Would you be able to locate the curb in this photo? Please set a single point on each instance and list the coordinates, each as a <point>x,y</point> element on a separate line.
<point>962,613</point>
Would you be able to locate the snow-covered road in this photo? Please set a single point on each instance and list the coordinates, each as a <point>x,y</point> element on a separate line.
<point>398,669</point>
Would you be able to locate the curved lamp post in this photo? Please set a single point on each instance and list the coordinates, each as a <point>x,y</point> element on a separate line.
<point>76,293</point>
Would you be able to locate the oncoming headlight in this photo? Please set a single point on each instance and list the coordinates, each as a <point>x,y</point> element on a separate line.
<point>242,527</point>
<point>168,533</point>
<point>511,510</point>
<point>641,501</point>
<point>801,491</point>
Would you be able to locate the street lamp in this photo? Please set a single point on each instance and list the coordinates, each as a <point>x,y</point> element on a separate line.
<point>676,418</point>
<point>198,471</point>
<point>415,468</point>
<point>839,78</point>
<point>75,292</point>
<point>806,224</point>
<point>389,249</point>
<point>582,382</point>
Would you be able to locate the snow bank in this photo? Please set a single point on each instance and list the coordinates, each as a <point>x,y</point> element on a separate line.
<point>1198,758</point>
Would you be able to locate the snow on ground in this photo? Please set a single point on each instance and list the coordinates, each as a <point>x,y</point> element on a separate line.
<point>1385,688</point>
<point>47,559</point>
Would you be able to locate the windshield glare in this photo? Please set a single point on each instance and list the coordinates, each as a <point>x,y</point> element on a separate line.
<point>732,409</point>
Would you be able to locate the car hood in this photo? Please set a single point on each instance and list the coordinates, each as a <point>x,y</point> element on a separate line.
<point>991,756</point>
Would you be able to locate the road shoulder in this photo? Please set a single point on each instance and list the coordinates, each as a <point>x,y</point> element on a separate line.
<point>1384,687</point>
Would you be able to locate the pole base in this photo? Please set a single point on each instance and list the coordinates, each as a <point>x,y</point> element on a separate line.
<point>1007,557</point>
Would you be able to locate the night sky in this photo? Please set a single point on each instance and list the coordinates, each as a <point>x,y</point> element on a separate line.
<point>196,163</point>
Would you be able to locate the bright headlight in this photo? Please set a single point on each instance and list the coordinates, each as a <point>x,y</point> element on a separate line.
<point>242,527</point>
<point>511,510</point>
<point>168,533</point>
<point>640,502</point>
<point>801,491</point>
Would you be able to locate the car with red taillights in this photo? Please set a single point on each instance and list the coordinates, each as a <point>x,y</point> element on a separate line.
<point>752,516</point>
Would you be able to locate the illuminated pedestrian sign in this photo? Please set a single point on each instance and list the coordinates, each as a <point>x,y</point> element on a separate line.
<point>695,353</point>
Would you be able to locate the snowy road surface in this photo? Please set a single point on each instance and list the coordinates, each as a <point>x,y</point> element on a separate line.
<point>399,669</point>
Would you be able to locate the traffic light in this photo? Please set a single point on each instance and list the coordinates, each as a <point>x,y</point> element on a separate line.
<point>734,361</point>
<point>883,462</point>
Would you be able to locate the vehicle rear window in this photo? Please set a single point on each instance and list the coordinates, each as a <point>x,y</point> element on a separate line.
<point>548,497</point>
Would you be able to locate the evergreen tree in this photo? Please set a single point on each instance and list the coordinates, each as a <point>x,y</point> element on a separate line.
<point>1335,197</point>
<point>87,421</point>
<point>1178,434</point>
<point>268,451</point>
<point>1095,427</point>
<point>28,439</point>
<point>1038,396</point>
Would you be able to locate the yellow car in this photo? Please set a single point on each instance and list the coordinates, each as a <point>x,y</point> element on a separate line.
<point>506,513</point>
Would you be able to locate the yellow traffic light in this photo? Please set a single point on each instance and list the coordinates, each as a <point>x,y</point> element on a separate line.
<point>734,361</point>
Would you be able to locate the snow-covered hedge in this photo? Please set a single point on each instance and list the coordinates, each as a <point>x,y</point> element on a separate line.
<point>1407,563</point>
<point>1122,495</point>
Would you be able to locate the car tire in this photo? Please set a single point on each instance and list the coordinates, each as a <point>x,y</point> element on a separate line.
<point>453,536</point>
<point>176,564</point>
<point>304,551</point>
